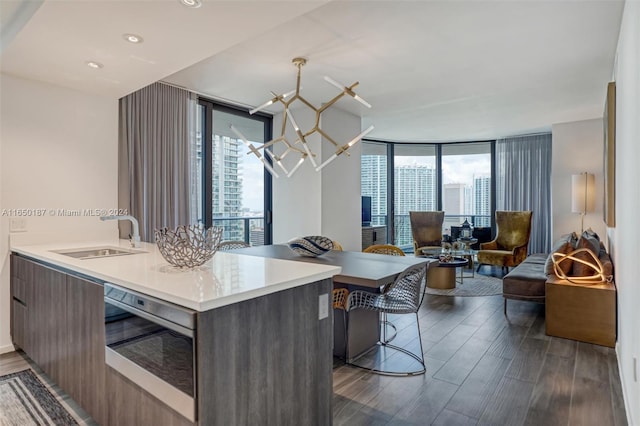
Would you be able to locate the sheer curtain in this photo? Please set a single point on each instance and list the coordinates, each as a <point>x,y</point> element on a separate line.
<point>155,172</point>
<point>523,182</point>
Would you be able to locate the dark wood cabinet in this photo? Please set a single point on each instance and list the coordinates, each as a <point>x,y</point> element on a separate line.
<point>267,360</point>
<point>47,322</point>
<point>372,235</point>
<point>262,361</point>
<point>37,293</point>
<point>129,404</point>
<point>58,320</point>
<point>21,304</point>
<point>85,325</point>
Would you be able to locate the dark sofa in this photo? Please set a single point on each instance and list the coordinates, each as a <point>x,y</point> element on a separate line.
<point>527,281</point>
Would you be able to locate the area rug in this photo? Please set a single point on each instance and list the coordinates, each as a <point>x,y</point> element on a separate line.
<point>479,285</point>
<point>24,400</point>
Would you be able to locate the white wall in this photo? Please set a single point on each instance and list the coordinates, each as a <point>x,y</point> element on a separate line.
<point>320,203</point>
<point>341,202</point>
<point>297,200</point>
<point>624,237</point>
<point>59,151</point>
<point>326,202</point>
<point>576,147</point>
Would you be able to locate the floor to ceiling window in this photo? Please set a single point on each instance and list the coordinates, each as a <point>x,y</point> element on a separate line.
<point>415,187</point>
<point>466,184</point>
<point>454,177</point>
<point>374,180</point>
<point>234,188</point>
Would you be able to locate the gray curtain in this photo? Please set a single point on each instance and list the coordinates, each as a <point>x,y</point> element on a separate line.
<point>523,182</point>
<point>155,158</point>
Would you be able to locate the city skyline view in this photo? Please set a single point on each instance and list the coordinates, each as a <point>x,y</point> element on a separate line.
<point>237,183</point>
<point>466,189</point>
<point>455,168</point>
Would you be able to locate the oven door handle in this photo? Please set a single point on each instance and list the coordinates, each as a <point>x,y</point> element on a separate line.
<point>160,321</point>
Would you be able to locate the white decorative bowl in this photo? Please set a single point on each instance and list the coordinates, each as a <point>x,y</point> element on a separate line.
<point>188,246</point>
<point>311,246</point>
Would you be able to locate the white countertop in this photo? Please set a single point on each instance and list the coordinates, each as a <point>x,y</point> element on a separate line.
<point>227,278</point>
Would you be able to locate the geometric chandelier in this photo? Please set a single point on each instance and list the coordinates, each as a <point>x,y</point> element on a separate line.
<point>299,146</point>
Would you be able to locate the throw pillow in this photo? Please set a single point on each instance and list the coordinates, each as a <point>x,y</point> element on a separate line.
<point>587,241</point>
<point>565,244</point>
<point>590,233</point>
<point>607,265</point>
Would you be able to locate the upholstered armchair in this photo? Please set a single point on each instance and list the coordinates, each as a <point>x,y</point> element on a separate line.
<point>426,228</point>
<point>509,248</point>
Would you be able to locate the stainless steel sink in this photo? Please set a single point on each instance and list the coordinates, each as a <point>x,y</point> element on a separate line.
<point>96,252</point>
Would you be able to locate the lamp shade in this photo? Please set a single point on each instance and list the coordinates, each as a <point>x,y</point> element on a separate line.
<point>582,193</point>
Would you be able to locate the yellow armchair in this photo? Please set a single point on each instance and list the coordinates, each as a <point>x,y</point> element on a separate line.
<point>426,229</point>
<point>387,249</point>
<point>509,248</point>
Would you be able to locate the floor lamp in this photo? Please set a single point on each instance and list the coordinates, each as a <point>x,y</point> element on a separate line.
<point>582,195</point>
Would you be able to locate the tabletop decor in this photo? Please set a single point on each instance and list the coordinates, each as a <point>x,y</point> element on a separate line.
<point>445,258</point>
<point>310,246</point>
<point>188,246</point>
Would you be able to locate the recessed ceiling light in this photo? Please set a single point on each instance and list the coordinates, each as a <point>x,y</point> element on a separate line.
<point>94,64</point>
<point>133,38</point>
<point>191,3</point>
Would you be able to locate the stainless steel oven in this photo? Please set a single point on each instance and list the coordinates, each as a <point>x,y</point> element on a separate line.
<point>152,343</point>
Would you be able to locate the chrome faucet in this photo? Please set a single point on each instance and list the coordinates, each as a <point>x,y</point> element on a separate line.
<point>133,239</point>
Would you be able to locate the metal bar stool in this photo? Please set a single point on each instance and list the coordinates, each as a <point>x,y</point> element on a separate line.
<point>389,250</point>
<point>404,296</point>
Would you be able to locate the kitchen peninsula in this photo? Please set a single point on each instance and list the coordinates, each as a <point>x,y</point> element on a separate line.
<point>255,345</point>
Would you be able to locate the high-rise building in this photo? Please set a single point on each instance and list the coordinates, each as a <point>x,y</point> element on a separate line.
<point>227,186</point>
<point>482,199</point>
<point>468,200</point>
<point>454,198</point>
<point>374,184</point>
<point>454,204</point>
<point>256,236</point>
<point>415,190</point>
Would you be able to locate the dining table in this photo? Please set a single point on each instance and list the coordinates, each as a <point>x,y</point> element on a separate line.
<point>358,331</point>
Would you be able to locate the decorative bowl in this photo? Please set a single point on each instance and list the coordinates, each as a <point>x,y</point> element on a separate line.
<point>311,246</point>
<point>188,246</point>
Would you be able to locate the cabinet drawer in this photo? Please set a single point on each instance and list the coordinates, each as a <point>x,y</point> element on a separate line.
<point>19,290</point>
<point>18,324</point>
<point>21,268</point>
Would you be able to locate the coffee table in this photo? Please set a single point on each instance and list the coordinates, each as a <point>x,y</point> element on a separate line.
<point>442,275</point>
<point>468,253</point>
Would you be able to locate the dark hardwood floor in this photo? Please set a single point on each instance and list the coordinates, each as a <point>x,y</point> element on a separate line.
<point>482,369</point>
<point>485,368</point>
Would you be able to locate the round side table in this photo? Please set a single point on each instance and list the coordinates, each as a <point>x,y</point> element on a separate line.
<point>443,274</point>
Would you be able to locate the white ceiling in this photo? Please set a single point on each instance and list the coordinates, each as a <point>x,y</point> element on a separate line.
<point>63,35</point>
<point>433,70</point>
